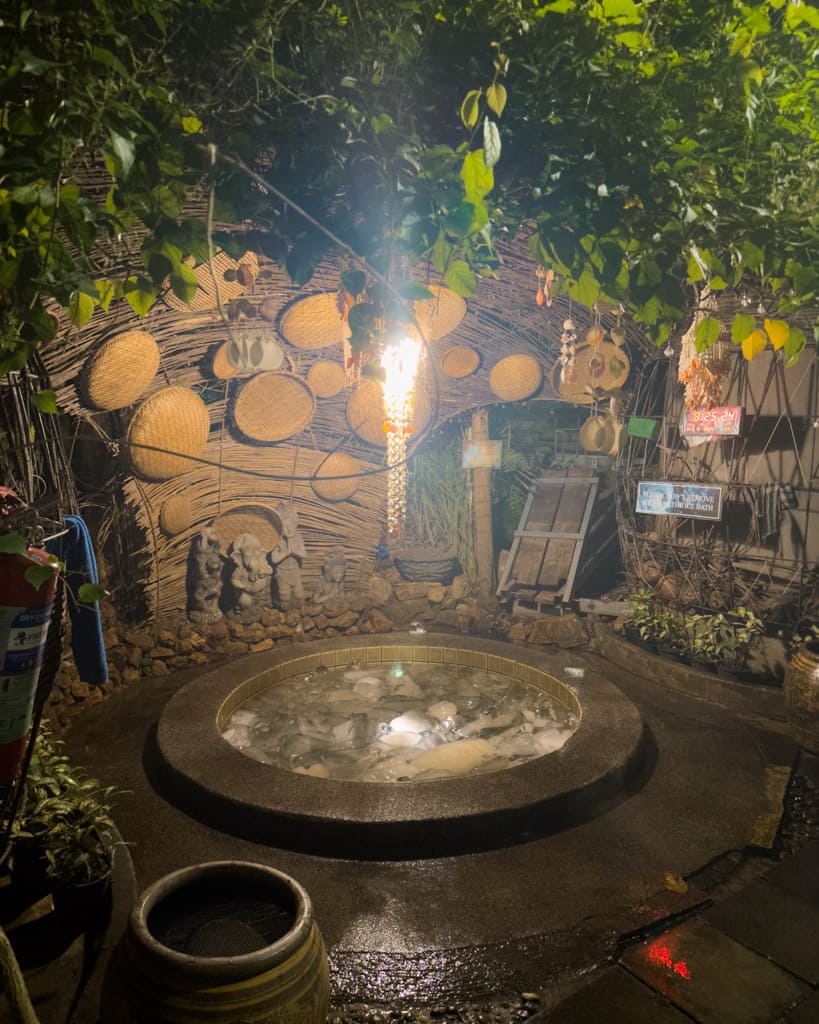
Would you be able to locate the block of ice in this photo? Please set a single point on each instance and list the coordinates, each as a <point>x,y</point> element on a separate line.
<point>318,771</point>
<point>442,709</point>
<point>458,757</point>
<point>241,717</point>
<point>369,688</point>
<point>549,740</point>
<point>399,739</point>
<point>410,721</point>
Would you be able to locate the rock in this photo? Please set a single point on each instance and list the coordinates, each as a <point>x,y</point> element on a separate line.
<point>380,622</point>
<point>293,618</point>
<point>139,638</point>
<point>517,632</point>
<point>344,621</point>
<point>403,613</point>
<point>235,647</point>
<point>446,619</point>
<point>563,630</point>
<point>254,633</point>
<point>166,638</point>
<point>184,631</point>
<point>237,629</point>
<point>436,593</point>
<point>184,646</point>
<point>80,690</point>
<point>218,630</point>
<point>413,591</point>
<point>272,617</point>
<point>133,656</point>
<point>335,607</point>
<point>322,621</point>
<point>366,627</point>
<point>198,658</point>
<point>307,624</point>
<point>379,590</point>
<point>358,603</point>
<point>178,661</point>
<point>261,645</point>
<point>130,675</point>
<point>354,630</point>
<point>162,652</point>
<point>459,587</point>
<point>159,668</point>
<point>279,632</point>
<point>108,614</point>
<point>197,640</point>
<point>110,638</point>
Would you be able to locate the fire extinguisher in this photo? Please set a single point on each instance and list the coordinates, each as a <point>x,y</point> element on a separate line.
<point>25,614</point>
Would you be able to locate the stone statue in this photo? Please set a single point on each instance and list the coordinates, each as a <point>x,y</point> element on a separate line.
<point>287,557</point>
<point>205,576</point>
<point>250,576</point>
<point>331,581</point>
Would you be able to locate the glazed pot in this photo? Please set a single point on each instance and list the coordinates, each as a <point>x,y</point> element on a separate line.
<point>802,696</point>
<point>224,942</point>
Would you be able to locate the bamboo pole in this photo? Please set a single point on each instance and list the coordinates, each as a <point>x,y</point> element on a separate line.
<point>482,505</point>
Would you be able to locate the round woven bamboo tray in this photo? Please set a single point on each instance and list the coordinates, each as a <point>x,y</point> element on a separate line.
<point>326,379</point>
<point>460,361</point>
<point>603,366</point>
<point>259,520</point>
<point>437,317</point>
<point>221,367</point>
<point>175,515</point>
<point>313,322</point>
<point>365,412</point>
<point>273,406</point>
<point>175,420</point>
<point>122,369</point>
<point>336,465</point>
<point>516,377</point>
<point>230,287</point>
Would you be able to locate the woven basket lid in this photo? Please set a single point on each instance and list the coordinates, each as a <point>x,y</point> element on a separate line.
<point>175,515</point>
<point>336,465</point>
<point>313,322</point>
<point>602,366</point>
<point>122,369</point>
<point>230,286</point>
<point>437,317</point>
<point>326,379</point>
<point>365,411</point>
<point>221,366</point>
<point>273,406</point>
<point>460,361</point>
<point>516,377</point>
<point>176,420</point>
<point>259,520</point>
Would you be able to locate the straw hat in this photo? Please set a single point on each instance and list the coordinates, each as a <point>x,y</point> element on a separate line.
<point>175,515</point>
<point>438,316</point>
<point>122,369</point>
<point>620,438</point>
<point>603,366</point>
<point>597,435</point>
<point>233,278</point>
<point>259,520</point>
<point>175,420</point>
<point>516,377</point>
<point>336,465</point>
<point>221,366</point>
<point>460,361</point>
<point>365,411</point>
<point>326,379</point>
<point>313,322</point>
<point>273,406</point>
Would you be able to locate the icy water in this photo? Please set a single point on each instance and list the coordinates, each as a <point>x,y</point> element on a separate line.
<point>399,724</point>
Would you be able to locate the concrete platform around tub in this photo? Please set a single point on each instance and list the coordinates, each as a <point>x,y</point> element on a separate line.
<point>503,920</point>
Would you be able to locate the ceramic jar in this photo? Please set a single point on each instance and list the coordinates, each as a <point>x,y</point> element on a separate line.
<point>225,942</point>
<point>802,696</point>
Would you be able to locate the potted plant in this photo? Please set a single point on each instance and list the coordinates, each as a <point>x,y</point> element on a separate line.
<point>741,630</point>
<point>671,635</point>
<point>705,638</point>
<point>639,626</point>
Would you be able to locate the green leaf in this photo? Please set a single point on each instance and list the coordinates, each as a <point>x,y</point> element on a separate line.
<point>706,333</point>
<point>586,289</point>
<point>360,341</point>
<point>414,291</point>
<point>140,293</point>
<point>37,575</point>
<point>382,123</point>
<point>362,317</point>
<point>106,292</point>
<point>442,253</point>
<point>184,282</point>
<point>741,327</point>
<point>491,143</point>
<point>191,125</point>
<point>496,98</point>
<point>469,108</point>
<point>12,544</point>
<point>478,179</point>
<point>460,278</point>
<point>353,281</point>
<point>753,344</point>
<point>124,152</point>
<point>624,11</point>
<point>45,401</point>
<point>81,308</point>
<point>794,345</point>
<point>90,592</point>
<point>558,7</point>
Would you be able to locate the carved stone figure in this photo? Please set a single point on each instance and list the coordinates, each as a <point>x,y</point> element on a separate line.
<point>205,576</point>
<point>331,581</point>
<point>250,576</point>
<point>287,557</point>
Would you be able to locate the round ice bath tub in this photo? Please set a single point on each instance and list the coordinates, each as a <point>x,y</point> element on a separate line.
<point>226,942</point>
<point>217,783</point>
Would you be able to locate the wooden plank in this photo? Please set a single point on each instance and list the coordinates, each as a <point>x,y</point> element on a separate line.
<point>558,555</point>
<point>542,511</point>
<point>584,526</point>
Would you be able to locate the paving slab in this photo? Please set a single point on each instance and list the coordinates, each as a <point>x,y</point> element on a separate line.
<point>772,922</point>
<point>616,997</point>
<point>712,978</point>
<point>807,1012</point>
<point>799,875</point>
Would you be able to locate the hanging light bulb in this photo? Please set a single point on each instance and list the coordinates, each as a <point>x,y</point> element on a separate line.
<point>399,360</point>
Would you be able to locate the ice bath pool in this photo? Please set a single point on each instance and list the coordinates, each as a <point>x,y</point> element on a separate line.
<point>488,744</point>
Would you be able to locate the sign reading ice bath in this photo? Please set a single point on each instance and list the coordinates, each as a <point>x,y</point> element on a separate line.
<point>722,421</point>
<point>663,498</point>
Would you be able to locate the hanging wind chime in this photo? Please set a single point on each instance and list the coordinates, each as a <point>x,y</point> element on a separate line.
<point>399,360</point>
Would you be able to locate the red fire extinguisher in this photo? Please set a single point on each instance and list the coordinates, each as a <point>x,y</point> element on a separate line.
<point>25,613</point>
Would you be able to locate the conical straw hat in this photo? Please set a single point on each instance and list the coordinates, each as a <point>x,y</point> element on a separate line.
<point>175,420</point>
<point>273,406</point>
<point>313,322</point>
<point>603,366</point>
<point>229,274</point>
<point>122,369</point>
<point>516,377</point>
<point>326,379</point>
<point>175,515</point>
<point>337,465</point>
<point>460,361</point>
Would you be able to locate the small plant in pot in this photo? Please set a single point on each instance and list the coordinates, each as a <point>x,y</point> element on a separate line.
<point>671,635</point>
<point>742,629</point>
<point>640,619</point>
<point>706,640</point>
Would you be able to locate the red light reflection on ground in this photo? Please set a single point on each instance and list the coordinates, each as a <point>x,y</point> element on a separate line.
<point>659,953</point>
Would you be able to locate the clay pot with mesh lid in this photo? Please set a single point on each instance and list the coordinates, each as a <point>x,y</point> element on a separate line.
<point>168,431</point>
<point>119,373</point>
